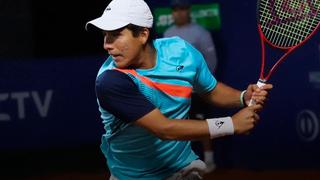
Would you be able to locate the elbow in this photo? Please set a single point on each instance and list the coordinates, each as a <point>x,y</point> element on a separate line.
<point>166,137</point>
<point>163,137</point>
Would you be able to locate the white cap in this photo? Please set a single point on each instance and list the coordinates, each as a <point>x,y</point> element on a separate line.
<point>120,13</point>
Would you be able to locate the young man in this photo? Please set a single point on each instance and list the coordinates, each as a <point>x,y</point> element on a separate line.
<point>201,39</point>
<point>143,91</point>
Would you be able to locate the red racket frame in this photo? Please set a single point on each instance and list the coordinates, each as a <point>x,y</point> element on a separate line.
<point>288,50</point>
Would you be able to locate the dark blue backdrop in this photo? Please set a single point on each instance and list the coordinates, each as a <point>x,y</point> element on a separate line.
<point>51,102</point>
<point>48,102</point>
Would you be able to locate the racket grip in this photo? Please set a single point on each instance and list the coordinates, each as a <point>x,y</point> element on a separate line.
<point>260,83</point>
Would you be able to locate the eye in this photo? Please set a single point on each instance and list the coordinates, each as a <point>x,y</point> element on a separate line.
<point>111,36</point>
<point>115,33</point>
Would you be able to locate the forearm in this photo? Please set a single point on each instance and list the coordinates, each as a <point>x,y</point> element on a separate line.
<point>182,129</point>
<point>224,96</point>
<point>195,129</point>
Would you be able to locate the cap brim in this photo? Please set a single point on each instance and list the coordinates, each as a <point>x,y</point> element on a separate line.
<point>107,24</point>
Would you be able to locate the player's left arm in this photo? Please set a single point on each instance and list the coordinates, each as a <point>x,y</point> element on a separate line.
<point>220,94</point>
<point>226,96</point>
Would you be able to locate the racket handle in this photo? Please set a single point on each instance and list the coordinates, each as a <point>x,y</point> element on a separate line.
<point>260,83</point>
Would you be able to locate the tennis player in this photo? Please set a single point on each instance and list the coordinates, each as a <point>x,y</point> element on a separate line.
<point>143,91</point>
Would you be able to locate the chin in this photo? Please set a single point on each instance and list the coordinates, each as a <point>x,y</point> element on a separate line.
<point>122,65</point>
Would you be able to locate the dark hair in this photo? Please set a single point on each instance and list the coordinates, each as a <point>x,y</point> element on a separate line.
<point>184,4</point>
<point>136,30</point>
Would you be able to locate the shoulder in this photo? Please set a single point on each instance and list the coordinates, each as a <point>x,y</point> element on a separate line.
<point>119,95</point>
<point>168,43</point>
<point>170,31</point>
<point>110,80</point>
<point>172,47</point>
<point>198,29</point>
<point>107,65</point>
<point>177,50</point>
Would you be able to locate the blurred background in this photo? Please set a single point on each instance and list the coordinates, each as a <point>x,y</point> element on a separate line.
<point>49,121</point>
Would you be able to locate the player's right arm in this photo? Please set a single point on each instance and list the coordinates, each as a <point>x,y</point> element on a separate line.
<point>183,129</point>
<point>118,94</point>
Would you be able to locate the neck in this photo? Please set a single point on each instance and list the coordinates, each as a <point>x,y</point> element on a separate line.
<point>147,58</point>
<point>183,24</point>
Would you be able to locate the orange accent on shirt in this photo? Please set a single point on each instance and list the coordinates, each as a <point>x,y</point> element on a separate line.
<point>173,90</point>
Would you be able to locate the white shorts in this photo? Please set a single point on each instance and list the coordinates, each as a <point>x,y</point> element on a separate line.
<point>194,171</point>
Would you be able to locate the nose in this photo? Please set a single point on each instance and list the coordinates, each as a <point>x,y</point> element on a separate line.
<point>107,44</point>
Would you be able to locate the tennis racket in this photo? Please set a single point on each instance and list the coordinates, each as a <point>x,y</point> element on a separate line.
<point>285,25</point>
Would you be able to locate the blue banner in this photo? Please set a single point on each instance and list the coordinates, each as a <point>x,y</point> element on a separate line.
<point>48,103</point>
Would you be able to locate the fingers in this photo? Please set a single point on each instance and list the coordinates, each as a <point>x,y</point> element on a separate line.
<point>256,118</point>
<point>254,115</point>
<point>255,107</point>
<point>267,87</point>
<point>262,91</point>
<point>253,120</point>
<point>259,95</point>
<point>253,88</point>
<point>259,100</point>
<point>246,119</point>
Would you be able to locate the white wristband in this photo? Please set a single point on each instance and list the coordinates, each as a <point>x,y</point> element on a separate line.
<point>242,102</point>
<point>220,127</point>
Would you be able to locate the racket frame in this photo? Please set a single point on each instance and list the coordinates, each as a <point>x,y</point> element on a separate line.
<point>288,50</point>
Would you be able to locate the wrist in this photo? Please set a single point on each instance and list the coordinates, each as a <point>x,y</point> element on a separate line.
<point>242,100</point>
<point>220,127</point>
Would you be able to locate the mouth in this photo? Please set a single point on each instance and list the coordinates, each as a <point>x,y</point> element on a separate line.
<point>115,56</point>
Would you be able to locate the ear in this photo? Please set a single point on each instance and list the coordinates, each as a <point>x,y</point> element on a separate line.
<point>144,35</point>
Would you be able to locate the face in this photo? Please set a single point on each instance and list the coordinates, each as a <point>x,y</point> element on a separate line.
<point>123,47</point>
<point>181,15</point>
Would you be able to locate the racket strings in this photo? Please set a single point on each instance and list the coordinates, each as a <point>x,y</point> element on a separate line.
<point>286,32</point>
<point>293,32</point>
<point>300,34</point>
<point>286,23</point>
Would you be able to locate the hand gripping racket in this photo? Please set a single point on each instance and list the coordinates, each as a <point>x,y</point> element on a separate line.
<point>285,25</point>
